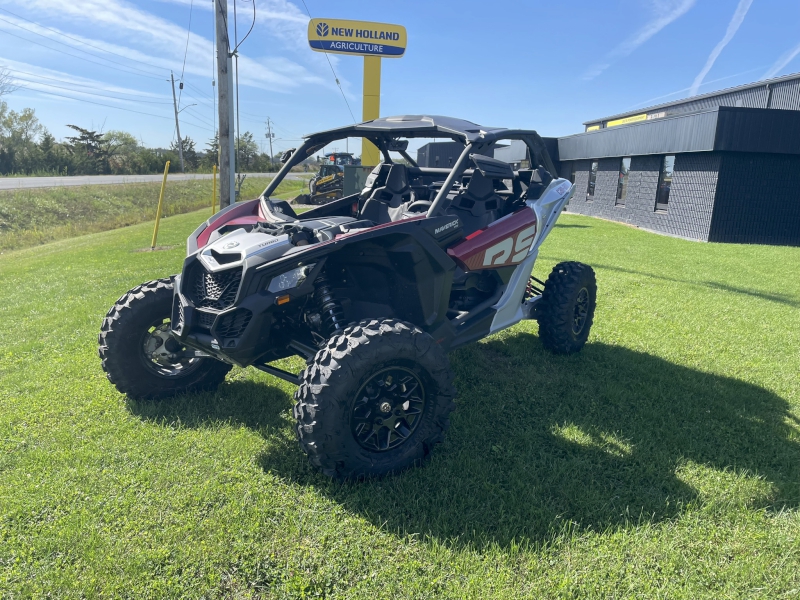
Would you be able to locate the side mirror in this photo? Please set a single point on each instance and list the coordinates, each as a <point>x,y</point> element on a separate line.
<point>398,145</point>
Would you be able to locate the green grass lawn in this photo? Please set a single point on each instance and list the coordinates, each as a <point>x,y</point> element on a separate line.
<point>29,217</point>
<point>663,461</point>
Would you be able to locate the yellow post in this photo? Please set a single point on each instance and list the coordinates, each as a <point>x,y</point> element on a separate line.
<point>214,190</point>
<point>160,204</point>
<point>370,155</point>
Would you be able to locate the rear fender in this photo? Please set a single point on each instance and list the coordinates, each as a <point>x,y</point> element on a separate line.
<point>510,308</point>
<point>549,206</point>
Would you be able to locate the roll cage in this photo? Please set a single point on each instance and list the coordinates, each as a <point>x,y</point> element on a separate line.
<point>387,134</point>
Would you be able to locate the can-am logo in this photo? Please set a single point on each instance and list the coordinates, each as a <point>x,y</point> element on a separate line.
<point>322,29</point>
<point>230,245</point>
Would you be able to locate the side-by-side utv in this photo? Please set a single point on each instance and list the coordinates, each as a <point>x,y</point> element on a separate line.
<point>372,290</point>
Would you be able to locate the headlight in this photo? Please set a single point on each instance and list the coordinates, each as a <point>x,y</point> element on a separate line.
<point>290,279</point>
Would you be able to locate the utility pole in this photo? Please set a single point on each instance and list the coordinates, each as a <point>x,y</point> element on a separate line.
<point>269,135</point>
<point>227,167</point>
<point>177,124</point>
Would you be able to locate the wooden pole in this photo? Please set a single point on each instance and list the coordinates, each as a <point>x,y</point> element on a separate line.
<point>227,169</point>
<point>177,123</point>
<point>160,205</point>
<point>214,190</point>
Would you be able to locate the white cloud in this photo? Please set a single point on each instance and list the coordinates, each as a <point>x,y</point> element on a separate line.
<point>666,11</point>
<point>650,101</point>
<point>36,77</point>
<point>781,63</point>
<point>164,42</point>
<point>736,22</point>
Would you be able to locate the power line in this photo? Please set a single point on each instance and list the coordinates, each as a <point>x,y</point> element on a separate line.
<point>110,106</point>
<point>81,57</point>
<point>73,47</point>
<point>199,91</point>
<point>186,51</point>
<point>330,64</point>
<point>197,115</point>
<point>253,24</point>
<point>92,94</point>
<point>188,95</point>
<point>83,85</point>
<point>81,41</point>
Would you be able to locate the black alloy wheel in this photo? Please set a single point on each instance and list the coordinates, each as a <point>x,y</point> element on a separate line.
<point>388,409</point>
<point>581,312</point>
<point>566,310</point>
<point>139,354</point>
<point>163,354</point>
<point>374,400</point>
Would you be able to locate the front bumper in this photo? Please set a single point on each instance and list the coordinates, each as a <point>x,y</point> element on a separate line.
<point>234,322</point>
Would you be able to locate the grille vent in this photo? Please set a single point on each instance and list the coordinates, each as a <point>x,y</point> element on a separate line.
<point>234,324</point>
<point>216,290</point>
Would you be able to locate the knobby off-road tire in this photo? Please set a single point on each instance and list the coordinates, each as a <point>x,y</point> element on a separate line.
<point>370,366</point>
<point>566,311</point>
<point>127,329</point>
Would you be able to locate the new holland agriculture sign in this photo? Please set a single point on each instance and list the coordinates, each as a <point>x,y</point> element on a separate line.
<point>357,37</point>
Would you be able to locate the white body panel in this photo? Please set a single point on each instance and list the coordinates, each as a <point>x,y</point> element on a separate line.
<point>510,308</point>
<point>242,245</point>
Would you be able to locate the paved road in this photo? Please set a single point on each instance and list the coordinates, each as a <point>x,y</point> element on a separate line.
<point>15,183</point>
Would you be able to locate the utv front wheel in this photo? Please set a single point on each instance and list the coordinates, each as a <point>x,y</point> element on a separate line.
<point>566,311</point>
<point>375,400</point>
<point>139,354</point>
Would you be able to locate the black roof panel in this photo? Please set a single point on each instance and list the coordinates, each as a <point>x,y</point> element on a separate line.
<point>416,126</point>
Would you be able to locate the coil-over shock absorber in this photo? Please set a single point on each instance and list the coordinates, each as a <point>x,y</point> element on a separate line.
<point>329,307</point>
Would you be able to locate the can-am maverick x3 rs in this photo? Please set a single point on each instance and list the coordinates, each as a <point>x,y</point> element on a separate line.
<point>372,290</point>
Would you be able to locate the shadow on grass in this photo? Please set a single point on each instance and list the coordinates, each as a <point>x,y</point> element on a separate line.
<point>772,297</point>
<point>603,439</point>
<point>607,438</point>
<point>240,403</point>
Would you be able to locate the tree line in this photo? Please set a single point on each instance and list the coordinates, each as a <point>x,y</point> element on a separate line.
<point>28,148</point>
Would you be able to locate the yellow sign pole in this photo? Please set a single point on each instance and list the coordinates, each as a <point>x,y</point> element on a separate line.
<point>160,204</point>
<point>370,155</point>
<point>214,190</point>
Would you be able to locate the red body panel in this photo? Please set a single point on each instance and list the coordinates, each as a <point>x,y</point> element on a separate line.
<point>504,242</point>
<point>244,213</point>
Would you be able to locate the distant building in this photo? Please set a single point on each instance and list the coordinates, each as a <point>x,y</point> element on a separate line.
<point>445,154</point>
<point>439,154</point>
<point>721,167</point>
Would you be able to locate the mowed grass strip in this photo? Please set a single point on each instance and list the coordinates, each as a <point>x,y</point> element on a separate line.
<point>663,461</point>
<point>29,217</point>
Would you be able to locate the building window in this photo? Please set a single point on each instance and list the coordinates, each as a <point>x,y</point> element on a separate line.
<point>622,182</point>
<point>572,174</point>
<point>592,182</point>
<point>665,183</point>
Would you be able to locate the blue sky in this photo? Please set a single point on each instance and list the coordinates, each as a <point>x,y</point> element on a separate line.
<point>543,65</point>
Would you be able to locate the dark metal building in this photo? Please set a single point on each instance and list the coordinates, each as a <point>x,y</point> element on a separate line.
<point>722,167</point>
<point>439,154</point>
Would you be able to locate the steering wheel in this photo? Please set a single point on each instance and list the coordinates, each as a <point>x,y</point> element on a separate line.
<point>419,206</point>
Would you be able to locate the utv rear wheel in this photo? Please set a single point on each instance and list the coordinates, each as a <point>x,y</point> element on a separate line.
<point>139,354</point>
<point>566,311</point>
<point>375,400</point>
